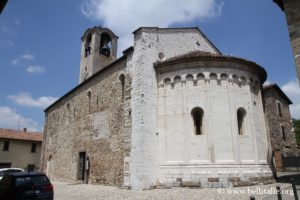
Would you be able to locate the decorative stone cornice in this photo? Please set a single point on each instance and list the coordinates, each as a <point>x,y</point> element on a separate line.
<point>198,59</point>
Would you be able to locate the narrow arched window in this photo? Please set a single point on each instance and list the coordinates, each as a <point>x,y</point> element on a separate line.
<point>89,95</point>
<point>241,115</point>
<point>197,114</point>
<point>122,80</point>
<point>279,109</point>
<point>283,133</point>
<point>105,44</point>
<point>88,43</point>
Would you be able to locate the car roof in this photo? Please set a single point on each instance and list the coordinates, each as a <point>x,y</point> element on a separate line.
<point>4,169</point>
<point>24,174</point>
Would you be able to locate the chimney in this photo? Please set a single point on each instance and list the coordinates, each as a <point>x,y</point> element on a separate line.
<point>25,129</point>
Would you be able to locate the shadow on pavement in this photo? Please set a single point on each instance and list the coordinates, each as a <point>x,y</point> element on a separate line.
<point>287,178</point>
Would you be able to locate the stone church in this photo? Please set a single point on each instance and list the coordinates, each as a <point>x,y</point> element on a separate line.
<point>171,111</point>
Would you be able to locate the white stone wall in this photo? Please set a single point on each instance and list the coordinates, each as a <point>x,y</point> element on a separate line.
<point>148,44</point>
<point>220,152</point>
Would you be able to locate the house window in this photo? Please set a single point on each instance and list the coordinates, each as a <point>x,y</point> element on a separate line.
<point>283,132</point>
<point>241,115</point>
<point>279,109</point>
<point>6,146</point>
<point>197,114</point>
<point>33,148</point>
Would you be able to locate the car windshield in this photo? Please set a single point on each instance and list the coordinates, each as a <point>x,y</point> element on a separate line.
<point>32,180</point>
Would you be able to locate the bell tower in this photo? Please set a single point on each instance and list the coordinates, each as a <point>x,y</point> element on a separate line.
<point>98,49</point>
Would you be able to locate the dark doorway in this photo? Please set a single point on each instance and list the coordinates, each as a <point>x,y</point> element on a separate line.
<point>81,167</point>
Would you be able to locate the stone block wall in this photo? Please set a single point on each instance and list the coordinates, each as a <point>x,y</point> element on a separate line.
<point>91,118</point>
<point>280,146</point>
<point>291,8</point>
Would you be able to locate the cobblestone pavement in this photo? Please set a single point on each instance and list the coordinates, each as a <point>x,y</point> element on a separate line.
<point>66,191</point>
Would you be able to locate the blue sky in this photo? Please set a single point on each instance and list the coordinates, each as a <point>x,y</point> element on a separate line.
<point>40,44</point>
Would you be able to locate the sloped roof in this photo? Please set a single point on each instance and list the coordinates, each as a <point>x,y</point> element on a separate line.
<point>20,135</point>
<point>281,93</point>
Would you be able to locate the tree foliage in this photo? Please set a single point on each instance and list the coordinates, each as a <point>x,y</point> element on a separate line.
<point>296,123</point>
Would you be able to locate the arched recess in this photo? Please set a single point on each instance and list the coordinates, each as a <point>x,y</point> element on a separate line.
<point>189,77</point>
<point>177,79</point>
<point>167,81</point>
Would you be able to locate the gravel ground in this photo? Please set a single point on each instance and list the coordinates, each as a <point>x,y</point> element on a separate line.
<point>66,191</point>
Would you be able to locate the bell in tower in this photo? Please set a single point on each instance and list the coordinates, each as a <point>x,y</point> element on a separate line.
<point>99,49</point>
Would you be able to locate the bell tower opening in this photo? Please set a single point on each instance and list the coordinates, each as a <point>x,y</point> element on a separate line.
<point>99,49</point>
<point>88,45</point>
<point>105,44</point>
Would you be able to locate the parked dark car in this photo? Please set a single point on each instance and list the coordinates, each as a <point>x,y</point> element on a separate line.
<point>29,186</point>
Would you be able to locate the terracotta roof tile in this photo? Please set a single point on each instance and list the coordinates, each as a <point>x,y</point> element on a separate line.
<point>20,135</point>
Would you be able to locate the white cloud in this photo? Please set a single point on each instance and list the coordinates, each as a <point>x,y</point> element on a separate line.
<point>10,119</point>
<point>292,90</point>
<point>123,17</point>
<point>24,56</point>
<point>267,82</point>
<point>25,99</point>
<point>35,69</point>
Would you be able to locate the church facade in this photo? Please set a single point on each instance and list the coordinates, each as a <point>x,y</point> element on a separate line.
<point>172,111</point>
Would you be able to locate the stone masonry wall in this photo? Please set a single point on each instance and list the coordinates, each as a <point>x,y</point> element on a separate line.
<point>291,8</point>
<point>150,45</point>
<point>93,125</point>
<point>286,147</point>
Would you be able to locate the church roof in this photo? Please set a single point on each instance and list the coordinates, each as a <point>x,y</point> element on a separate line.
<point>277,88</point>
<point>20,135</point>
<point>208,56</point>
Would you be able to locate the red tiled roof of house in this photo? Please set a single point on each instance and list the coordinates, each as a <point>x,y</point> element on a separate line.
<point>20,135</point>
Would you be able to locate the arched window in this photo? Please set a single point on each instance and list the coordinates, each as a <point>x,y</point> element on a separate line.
<point>105,44</point>
<point>89,95</point>
<point>197,114</point>
<point>279,109</point>
<point>283,133</point>
<point>88,43</point>
<point>241,115</point>
<point>122,80</point>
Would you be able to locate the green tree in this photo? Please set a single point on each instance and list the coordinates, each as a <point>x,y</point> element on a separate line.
<point>296,124</point>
